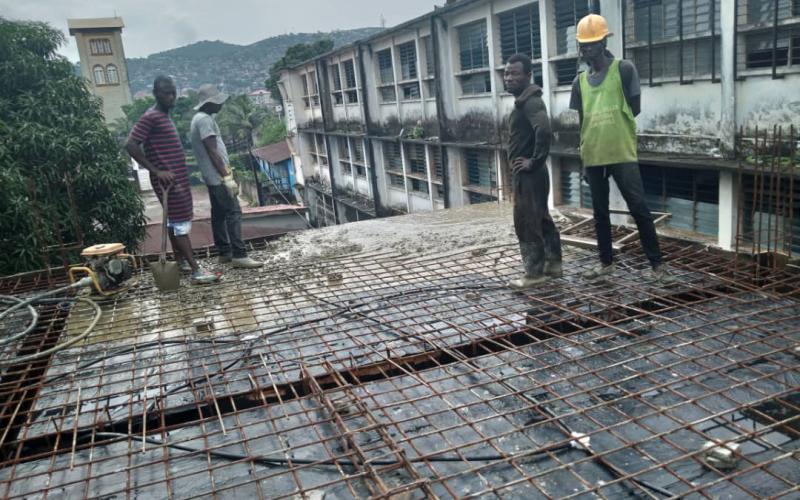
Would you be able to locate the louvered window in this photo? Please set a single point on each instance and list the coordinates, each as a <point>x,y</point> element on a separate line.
<point>436,161</point>
<point>357,148</point>
<point>338,98</point>
<point>771,30</point>
<point>306,99</point>
<point>387,94</point>
<point>476,84</point>
<point>408,60</point>
<point>473,50</point>
<point>410,91</point>
<point>691,196</point>
<point>391,156</point>
<point>575,191</point>
<point>385,73</point>
<point>429,60</point>
<point>567,14</point>
<point>519,32</point>
<point>396,181</point>
<point>674,39</point>
<point>350,81</point>
<point>480,168</point>
<point>770,214</point>
<point>419,186</point>
<point>415,156</point>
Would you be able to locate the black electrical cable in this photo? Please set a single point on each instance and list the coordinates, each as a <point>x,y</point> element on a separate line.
<point>115,436</point>
<point>602,462</point>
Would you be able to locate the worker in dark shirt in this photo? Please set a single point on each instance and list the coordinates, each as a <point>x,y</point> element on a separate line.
<point>529,145</point>
<point>607,98</point>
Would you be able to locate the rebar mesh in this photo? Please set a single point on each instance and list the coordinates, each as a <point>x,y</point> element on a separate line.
<point>418,377</point>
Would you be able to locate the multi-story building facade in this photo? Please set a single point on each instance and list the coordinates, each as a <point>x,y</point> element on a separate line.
<point>412,118</point>
<point>103,61</point>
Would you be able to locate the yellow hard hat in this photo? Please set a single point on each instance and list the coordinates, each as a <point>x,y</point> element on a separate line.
<point>592,28</point>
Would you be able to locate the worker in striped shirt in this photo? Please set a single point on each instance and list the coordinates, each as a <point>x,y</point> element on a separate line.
<point>164,158</point>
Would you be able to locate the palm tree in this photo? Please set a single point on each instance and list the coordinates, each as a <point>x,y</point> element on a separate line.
<point>239,120</point>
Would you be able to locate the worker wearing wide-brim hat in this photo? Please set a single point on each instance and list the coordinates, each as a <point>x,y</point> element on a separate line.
<point>607,97</point>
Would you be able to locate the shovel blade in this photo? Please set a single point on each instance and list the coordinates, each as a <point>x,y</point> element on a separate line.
<point>167,275</point>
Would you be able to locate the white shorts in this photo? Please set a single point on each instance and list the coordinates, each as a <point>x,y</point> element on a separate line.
<point>180,228</point>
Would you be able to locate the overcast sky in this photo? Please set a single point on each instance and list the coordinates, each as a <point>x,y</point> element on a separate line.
<point>156,25</point>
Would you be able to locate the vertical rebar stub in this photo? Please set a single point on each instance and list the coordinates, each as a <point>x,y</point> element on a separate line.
<point>723,456</point>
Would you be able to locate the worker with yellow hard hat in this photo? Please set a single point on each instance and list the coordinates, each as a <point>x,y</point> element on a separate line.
<point>607,97</point>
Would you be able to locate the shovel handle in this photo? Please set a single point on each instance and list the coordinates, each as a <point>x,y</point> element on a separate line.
<point>162,257</point>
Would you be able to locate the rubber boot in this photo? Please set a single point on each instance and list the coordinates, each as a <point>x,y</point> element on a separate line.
<point>533,262</point>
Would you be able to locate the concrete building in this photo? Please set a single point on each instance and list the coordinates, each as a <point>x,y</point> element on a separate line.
<point>103,61</point>
<point>260,97</point>
<point>411,119</point>
<point>275,161</point>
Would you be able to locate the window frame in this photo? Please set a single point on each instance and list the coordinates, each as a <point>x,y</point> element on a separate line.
<point>686,42</point>
<point>350,91</point>
<point>491,170</point>
<point>100,47</point>
<point>109,72</point>
<point>563,61</point>
<point>408,68</point>
<point>468,74</point>
<point>779,25</point>
<point>532,10</point>
<point>99,70</point>
<point>336,84</point>
<point>392,155</point>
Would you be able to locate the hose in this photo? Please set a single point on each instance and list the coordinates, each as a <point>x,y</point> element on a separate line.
<point>46,297</point>
<point>261,459</point>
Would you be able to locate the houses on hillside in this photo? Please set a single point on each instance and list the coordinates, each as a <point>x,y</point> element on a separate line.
<point>411,119</point>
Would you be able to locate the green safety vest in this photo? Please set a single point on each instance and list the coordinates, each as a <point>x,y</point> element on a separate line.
<point>608,130</point>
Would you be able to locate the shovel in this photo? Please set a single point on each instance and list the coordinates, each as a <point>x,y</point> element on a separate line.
<point>167,275</point>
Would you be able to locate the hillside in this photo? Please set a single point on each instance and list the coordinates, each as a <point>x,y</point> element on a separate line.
<point>238,67</point>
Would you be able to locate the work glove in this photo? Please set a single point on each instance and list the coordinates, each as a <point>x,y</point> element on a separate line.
<point>230,185</point>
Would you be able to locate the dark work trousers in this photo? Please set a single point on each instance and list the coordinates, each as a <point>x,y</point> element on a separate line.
<point>226,222</point>
<point>629,180</point>
<point>532,221</point>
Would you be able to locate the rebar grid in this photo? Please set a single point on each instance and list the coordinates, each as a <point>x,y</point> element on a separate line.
<point>384,375</point>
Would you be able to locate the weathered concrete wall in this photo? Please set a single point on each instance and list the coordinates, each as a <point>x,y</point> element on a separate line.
<point>764,102</point>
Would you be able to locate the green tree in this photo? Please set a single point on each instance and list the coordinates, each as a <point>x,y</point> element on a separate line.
<point>294,55</point>
<point>239,119</point>
<point>273,129</point>
<point>63,176</point>
<point>181,114</point>
<point>238,122</point>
